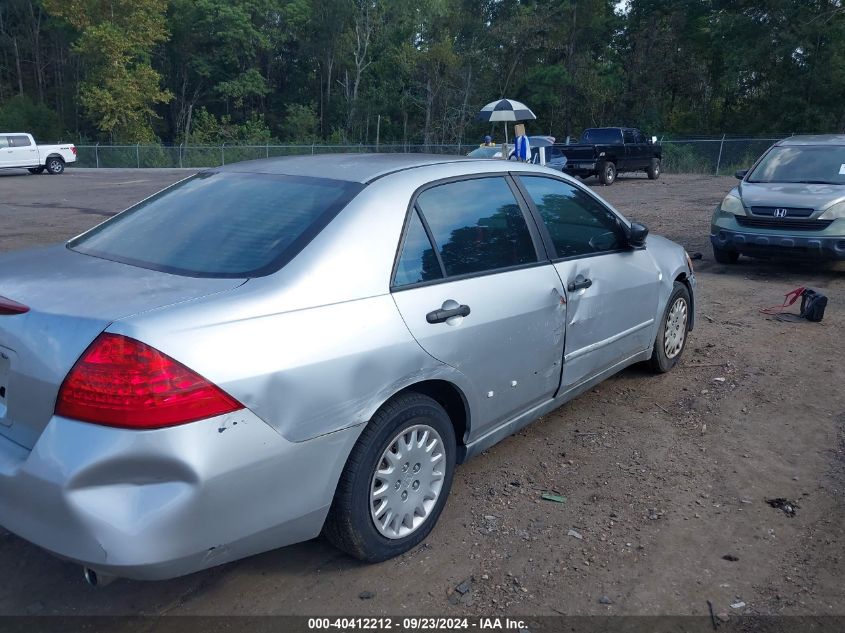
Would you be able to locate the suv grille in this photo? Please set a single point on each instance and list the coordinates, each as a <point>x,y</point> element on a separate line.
<point>783,225</point>
<point>791,212</point>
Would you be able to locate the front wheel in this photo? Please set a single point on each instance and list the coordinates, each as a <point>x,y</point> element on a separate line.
<point>55,165</point>
<point>653,170</point>
<point>396,480</point>
<point>607,173</point>
<point>672,334</point>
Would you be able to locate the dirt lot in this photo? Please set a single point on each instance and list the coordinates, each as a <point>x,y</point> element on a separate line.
<point>663,476</point>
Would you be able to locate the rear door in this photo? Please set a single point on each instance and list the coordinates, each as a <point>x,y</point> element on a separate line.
<point>23,152</point>
<point>477,292</point>
<point>611,289</point>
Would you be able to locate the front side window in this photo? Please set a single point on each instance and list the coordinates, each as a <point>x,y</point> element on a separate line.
<point>219,224</point>
<point>628,136</point>
<point>4,141</point>
<point>577,223</point>
<point>477,225</point>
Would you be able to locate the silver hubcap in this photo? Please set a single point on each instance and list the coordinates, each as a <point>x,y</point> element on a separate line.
<point>609,173</point>
<point>55,165</point>
<point>676,328</point>
<point>407,481</point>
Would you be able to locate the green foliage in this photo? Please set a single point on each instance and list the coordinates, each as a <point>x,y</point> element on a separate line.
<point>303,70</point>
<point>21,114</point>
<point>116,37</point>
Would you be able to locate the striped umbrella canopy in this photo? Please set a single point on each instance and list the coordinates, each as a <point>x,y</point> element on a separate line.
<point>506,110</point>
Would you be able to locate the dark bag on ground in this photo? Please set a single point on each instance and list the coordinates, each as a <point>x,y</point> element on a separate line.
<point>812,305</point>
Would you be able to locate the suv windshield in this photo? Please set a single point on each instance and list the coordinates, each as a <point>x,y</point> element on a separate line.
<point>602,136</point>
<point>220,224</point>
<point>811,164</point>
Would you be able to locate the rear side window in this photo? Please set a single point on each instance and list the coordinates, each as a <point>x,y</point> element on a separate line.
<point>19,141</point>
<point>477,226</point>
<point>221,224</point>
<point>577,223</point>
<point>602,136</point>
<point>418,261</point>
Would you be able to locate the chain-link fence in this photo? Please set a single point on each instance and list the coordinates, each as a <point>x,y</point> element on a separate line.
<point>720,155</point>
<point>197,156</point>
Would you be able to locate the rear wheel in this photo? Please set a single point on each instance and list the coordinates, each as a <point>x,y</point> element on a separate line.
<point>672,334</point>
<point>396,481</point>
<point>55,165</point>
<point>653,170</point>
<point>36,170</point>
<point>607,173</point>
<point>724,256</point>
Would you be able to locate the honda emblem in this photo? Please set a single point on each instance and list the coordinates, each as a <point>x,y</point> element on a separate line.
<point>780,213</point>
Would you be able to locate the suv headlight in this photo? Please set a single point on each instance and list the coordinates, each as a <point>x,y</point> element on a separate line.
<point>732,204</point>
<point>834,212</point>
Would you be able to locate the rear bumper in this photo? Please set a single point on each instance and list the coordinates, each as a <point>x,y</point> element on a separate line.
<point>164,503</point>
<point>580,167</point>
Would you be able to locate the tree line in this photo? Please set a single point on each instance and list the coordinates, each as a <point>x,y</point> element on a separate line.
<point>415,71</point>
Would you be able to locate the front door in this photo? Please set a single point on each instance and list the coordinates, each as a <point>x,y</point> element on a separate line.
<point>6,152</point>
<point>476,293</point>
<point>612,290</point>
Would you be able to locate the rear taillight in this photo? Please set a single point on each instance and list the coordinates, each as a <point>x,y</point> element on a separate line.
<point>7,306</point>
<point>122,382</point>
<point>73,149</point>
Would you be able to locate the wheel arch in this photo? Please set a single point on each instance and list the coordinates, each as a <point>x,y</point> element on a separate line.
<point>449,396</point>
<point>684,279</point>
<point>54,155</point>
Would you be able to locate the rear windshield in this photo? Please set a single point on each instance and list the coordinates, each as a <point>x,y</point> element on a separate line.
<point>812,164</point>
<point>602,136</point>
<point>220,224</point>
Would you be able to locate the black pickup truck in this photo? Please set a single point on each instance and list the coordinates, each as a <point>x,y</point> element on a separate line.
<point>607,151</point>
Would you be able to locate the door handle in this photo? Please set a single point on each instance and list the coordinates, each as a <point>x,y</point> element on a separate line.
<point>579,284</point>
<point>442,315</point>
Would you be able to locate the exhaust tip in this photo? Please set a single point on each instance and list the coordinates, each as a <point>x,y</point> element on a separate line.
<point>96,580</point>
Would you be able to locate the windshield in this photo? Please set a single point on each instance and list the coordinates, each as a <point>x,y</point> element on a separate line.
<point>602,136</point>
<point>485,152</point>
<point>220,224</point>
<point>811,164</point>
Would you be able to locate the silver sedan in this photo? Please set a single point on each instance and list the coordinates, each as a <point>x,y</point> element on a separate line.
<point>275,349</point>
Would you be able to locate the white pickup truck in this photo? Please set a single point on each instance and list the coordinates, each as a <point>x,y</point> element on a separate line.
<point>19,150</point>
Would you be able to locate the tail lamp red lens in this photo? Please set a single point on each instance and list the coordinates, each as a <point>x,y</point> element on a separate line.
<point>73,149</point>
<point>122,382</point>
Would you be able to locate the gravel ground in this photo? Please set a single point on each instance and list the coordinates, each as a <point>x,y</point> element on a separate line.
<point>665,477</point>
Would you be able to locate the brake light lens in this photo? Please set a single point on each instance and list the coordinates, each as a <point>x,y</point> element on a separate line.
<point>122,382</point>
<point>73,149</point>
<point>7,306</point>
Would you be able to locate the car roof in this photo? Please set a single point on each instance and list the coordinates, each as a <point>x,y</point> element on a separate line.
<point>814,139</point>
<point>362,168</point>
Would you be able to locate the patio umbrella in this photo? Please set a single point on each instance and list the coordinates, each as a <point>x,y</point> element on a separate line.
<point>506,110</point>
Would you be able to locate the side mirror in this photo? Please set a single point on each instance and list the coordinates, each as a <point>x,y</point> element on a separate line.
<point>654,140</point>
<point>739,174</point>
<point>636,235</point>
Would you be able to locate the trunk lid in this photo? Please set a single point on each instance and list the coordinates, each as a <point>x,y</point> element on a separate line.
<point>71,298</point>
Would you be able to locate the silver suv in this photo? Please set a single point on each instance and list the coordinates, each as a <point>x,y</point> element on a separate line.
<point>277,348</point>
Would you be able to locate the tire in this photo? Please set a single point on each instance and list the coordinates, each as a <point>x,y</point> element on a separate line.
<point>724,256</point>
<point>351,522</point>
<point>607,173</point>
<point>36,170</point>
<point>668,349</point>
<point>55,165</point>
<point>653,170</point>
